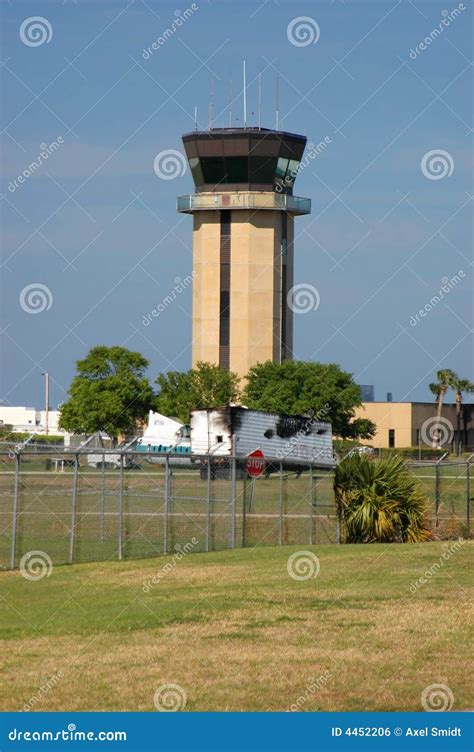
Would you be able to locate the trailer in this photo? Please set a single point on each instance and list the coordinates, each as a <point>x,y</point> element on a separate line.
<point>293,441</point>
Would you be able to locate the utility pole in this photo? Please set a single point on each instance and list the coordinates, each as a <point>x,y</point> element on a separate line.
<point>46,403</point>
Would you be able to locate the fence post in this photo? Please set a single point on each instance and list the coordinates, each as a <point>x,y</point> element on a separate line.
<point>102,502</point>
<point>438,488</point>
<point>167,503</point>
<point>282,501</point>
<point>338,513</point>
<point>16,501</point>
<point>437,494</point>
<point>252,490</point>
<point>244,511</point>
<point>468,495</point>
<point>233,492</point>
<point>120,525</point>
<point>208,504</point>
<point>311,502</point>
<point>73,509</point>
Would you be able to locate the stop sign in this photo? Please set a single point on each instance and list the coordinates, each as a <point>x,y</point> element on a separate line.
<point>255,463</point>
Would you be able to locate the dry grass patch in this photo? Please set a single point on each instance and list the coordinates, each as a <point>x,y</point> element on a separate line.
<point>237,633</point>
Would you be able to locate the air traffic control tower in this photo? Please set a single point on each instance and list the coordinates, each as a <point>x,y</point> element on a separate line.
<point>243,229</point>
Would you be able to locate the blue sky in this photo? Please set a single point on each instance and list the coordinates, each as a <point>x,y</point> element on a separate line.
<point>97,229</point>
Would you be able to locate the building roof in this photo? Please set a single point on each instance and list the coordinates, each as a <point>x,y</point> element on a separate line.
<point>408,402</point>
<point>250,131</point>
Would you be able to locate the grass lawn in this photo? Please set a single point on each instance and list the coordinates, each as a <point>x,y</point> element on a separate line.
<point>237,633</point>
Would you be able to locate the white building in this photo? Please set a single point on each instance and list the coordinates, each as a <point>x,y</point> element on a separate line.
<point>29,419</point>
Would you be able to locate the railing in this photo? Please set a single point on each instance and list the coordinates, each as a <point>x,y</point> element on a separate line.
<point>236,200</point>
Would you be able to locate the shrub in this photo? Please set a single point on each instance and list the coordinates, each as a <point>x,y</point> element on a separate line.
<point>378,501</point>
<point>413,453</point>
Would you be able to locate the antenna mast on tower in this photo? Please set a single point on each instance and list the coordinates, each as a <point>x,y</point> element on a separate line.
<point>245,97</point>
<point>211,104</point>
<point>259,100</point>
<point>230,103</point>
<point>277,124</point>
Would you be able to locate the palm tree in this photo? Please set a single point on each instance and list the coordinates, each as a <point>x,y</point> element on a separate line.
<point>446,379</point>
<point>378,501</point>
<point>460,386</point>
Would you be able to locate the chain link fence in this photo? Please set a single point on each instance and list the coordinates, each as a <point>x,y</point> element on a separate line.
<point>112,504</point>
<point>448,486</point>
<point>79,506</point>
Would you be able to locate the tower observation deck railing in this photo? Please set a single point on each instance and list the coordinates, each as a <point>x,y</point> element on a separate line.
<point>241,200</point>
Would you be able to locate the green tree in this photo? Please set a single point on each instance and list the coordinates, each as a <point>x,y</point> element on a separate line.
<point>445,378</point>
<point>321,390</point>
<point>207,385</point>
<point>460,386</point>
<point>378,501</point>
<point>448,379</point>
<point>109,393</point>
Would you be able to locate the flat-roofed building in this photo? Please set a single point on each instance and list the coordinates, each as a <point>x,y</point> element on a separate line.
<point>410,424</point>
<point>29,419</point>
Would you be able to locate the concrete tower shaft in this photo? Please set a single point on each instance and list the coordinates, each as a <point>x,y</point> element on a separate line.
<point>243,212</point>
